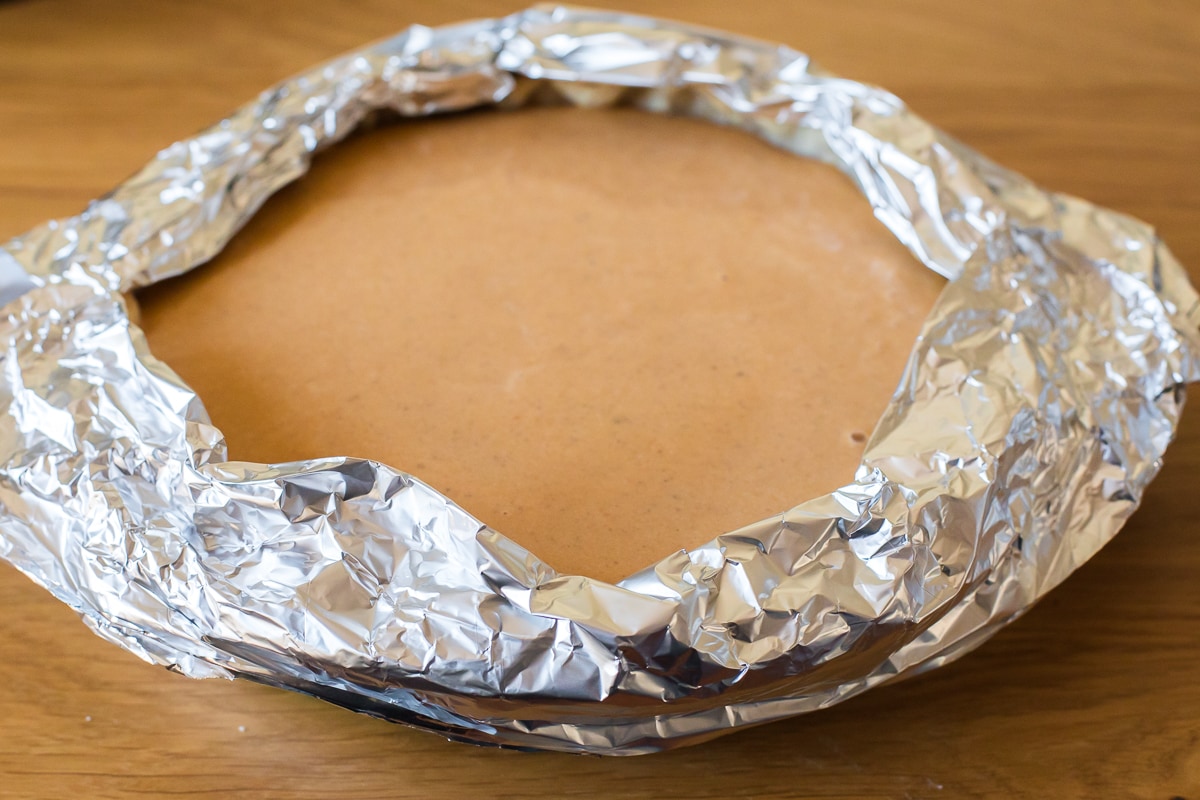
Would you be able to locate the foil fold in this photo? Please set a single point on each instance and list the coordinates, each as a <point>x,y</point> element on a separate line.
<point>1037,404</point>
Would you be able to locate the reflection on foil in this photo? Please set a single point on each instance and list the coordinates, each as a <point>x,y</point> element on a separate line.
<point>1036,406</point>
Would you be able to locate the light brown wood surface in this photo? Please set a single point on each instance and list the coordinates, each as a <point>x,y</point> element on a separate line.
<point>1095,693</point>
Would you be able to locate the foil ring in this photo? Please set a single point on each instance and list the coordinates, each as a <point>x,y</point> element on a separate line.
<point>1036,406</point>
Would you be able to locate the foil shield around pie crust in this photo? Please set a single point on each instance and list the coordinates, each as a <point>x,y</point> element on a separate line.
<point>1035,408</point>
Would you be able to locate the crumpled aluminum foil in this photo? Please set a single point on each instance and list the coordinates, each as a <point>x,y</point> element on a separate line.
<point>1036,406</point>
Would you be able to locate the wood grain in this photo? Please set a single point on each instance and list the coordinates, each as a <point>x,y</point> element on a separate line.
<point>1095,693</point>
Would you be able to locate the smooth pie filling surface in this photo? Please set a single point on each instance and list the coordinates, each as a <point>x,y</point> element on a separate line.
<point>607,334</point>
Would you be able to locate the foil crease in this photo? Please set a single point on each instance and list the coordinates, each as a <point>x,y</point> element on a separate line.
<point>1034,410</point>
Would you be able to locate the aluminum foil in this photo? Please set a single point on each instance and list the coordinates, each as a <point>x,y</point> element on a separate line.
<point>1036,406</point>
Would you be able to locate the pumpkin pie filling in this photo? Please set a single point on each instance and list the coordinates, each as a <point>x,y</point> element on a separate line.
<point>607,334</point>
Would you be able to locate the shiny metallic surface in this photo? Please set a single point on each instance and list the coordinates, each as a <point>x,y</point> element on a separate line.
<point>1035,408</point>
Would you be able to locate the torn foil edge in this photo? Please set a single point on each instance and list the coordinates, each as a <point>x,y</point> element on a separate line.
<point>1035,408</point>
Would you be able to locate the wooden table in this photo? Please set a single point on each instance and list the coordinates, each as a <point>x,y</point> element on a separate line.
<point>1096,693</point>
